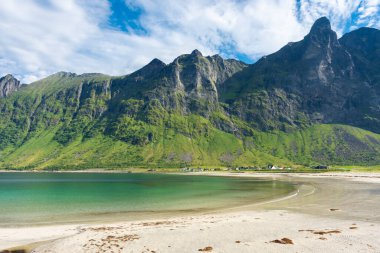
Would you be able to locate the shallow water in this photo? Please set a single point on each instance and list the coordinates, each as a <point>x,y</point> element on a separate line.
<point>337,198</point>
<point>36,198</point>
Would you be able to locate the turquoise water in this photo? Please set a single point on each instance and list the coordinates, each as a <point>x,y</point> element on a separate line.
<point>33,198</point>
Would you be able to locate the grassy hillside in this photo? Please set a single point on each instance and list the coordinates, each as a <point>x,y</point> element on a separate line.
<point>189,141</point>
<point>199,143</point>
<point>324,144</point>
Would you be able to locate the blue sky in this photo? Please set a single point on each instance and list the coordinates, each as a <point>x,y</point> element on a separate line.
<point>41,37</point>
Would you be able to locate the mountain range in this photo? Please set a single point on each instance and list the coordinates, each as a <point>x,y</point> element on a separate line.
<point>315,101</point>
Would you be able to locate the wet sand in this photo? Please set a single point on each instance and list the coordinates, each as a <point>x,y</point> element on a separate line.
<point>329,213</point>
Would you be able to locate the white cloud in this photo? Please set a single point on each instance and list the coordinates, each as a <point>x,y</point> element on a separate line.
<point>253,27</point>
<point>39,38</point>
<point>369,11</point>
<point>338,11</point>
<point>74,35</point>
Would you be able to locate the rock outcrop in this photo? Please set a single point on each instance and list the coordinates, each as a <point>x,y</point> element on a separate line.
<point>8,85</point>
<point>319,79</point>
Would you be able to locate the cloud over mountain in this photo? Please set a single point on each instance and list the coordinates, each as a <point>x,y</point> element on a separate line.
<point>117,37</point>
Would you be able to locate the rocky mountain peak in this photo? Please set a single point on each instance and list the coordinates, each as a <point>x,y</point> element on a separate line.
<point>196,53</point>
<point>321,24</point>
<point>8,77</point>
<point>8,84</point>
<point>365,39</point>
<point>152,68</point>
<point>63,74</point>
<point>322,34</point>
<point>156,62</point>
<point>324,59</point>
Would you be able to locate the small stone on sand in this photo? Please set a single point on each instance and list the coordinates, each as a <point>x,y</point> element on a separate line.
<point>206,249</point>
<point>283,241</point>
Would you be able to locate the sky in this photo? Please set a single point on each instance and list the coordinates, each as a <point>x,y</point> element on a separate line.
<point>117,37</point>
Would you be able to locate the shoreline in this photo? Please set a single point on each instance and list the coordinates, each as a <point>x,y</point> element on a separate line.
<point>271,213</point>
<point>332,170</point>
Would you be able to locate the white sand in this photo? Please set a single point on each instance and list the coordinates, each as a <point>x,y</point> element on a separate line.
<point>302,219</point>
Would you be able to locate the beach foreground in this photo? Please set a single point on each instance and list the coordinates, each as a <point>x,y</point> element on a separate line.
<point>329,213</point>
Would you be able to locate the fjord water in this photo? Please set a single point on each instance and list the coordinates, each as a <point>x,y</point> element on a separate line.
<point>36,198</point>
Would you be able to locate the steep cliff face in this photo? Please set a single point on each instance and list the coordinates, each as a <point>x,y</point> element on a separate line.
<point>364,47</point>
<point>8,84</point>
<point>316,80</point>
<point>187,85</point>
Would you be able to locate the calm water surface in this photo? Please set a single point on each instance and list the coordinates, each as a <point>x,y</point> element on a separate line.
<point>34,198</point>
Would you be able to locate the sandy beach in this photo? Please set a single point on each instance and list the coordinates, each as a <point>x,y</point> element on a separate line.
<point>330,212</point>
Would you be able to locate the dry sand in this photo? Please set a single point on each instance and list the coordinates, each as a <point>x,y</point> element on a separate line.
<point>329,213</point>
